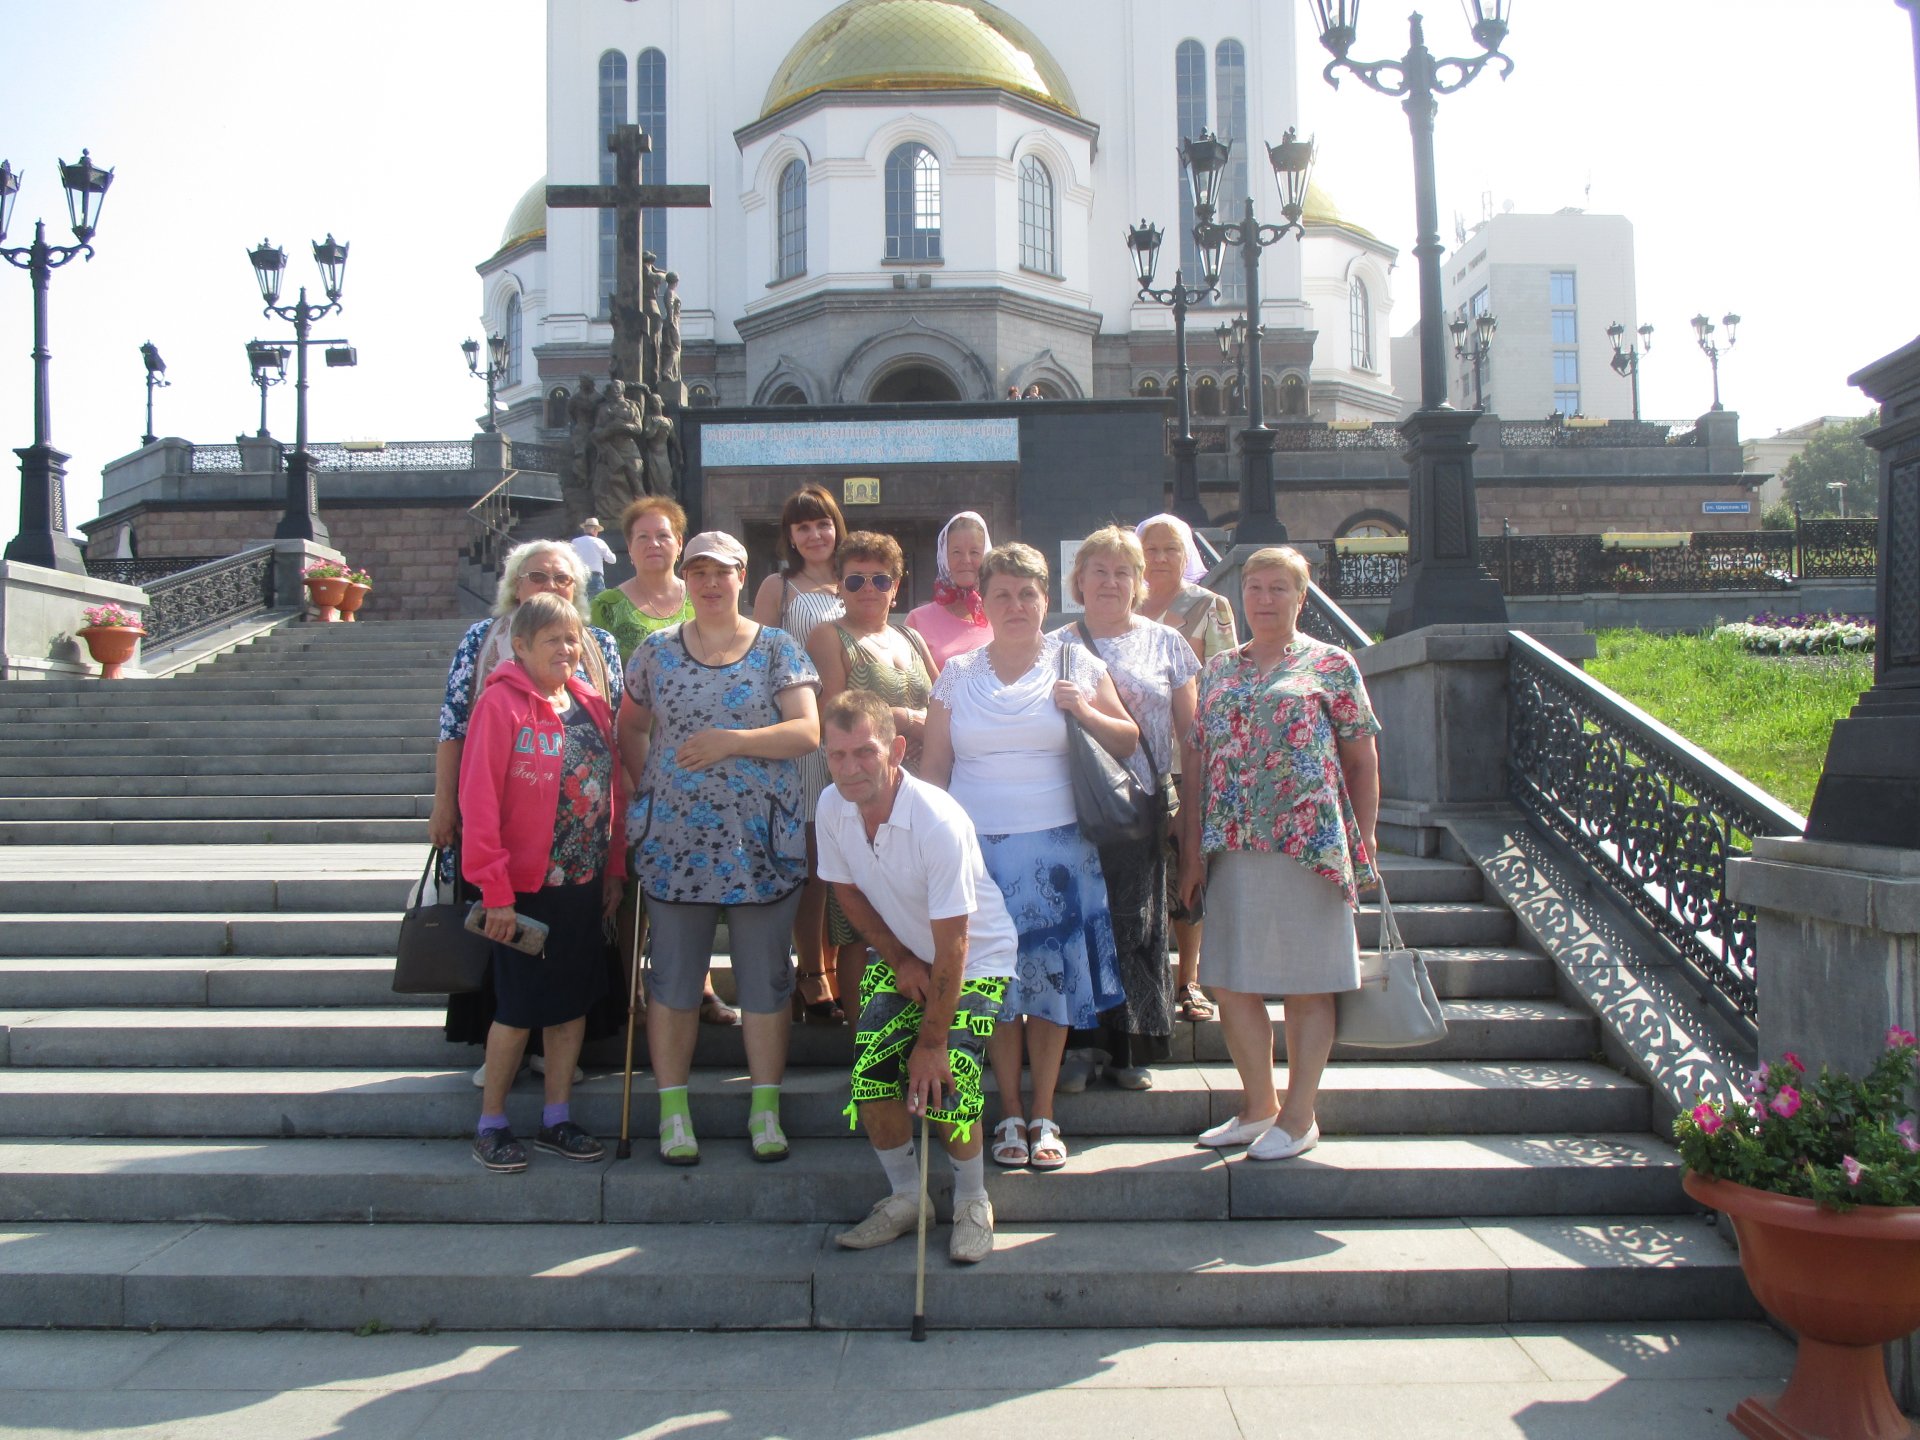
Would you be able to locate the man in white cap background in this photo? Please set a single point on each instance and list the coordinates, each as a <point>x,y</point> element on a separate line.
<point>594,553</point>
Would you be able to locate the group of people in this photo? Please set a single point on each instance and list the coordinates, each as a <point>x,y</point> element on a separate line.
<point>890,801</point>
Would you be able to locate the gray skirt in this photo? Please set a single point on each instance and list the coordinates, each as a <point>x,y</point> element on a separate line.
<point>1274,927</point>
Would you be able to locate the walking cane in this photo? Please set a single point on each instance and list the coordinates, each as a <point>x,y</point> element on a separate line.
<point>919,1331</point>
<point>624,1149</point>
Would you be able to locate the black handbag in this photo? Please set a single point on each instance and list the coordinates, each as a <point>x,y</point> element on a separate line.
<point>1109,805</point>
<point>437,954</point>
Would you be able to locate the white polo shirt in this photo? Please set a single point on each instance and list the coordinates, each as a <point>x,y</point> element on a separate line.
<point>922,865</point>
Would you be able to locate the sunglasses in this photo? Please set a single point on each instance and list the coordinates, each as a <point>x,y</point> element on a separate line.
<point>558,579</point>
<point>853,584</point>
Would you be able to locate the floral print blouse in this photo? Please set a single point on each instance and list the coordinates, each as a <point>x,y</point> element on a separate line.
<point>583,820</point>
<point>730,834</point>
<point>456,710</point>
<point>1268,751</point>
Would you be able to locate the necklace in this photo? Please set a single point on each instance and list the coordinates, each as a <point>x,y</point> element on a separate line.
<point>664,609</point>
<point>710,651</point>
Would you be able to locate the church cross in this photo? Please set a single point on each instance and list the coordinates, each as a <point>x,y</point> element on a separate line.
<point>627,197</point>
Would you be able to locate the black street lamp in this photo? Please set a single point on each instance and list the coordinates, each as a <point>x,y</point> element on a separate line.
<point>1205,157</point>
<point>1143,240</point>
<point>1703,330</point>
<point>156,380</point>
<point>1477,349</point>
<point>43,538</point>
<point>268,362</point>
<point>496,367</point>
<point>1445,583</point>
<point>1232,336</point>
<point>1626,356</point>
<point>302,521</point>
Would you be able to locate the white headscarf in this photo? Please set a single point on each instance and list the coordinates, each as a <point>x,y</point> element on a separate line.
<point>940,545</point>
<point>1195,569</point>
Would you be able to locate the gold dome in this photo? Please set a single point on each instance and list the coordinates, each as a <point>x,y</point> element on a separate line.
<point>1320,210</point>
<point>529,218</point>
<point>919,45</point>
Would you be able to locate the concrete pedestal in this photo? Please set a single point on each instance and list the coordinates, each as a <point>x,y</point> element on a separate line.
<point>41,613</point>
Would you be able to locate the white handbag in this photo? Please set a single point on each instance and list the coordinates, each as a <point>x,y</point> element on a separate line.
<point>1395,1005</point>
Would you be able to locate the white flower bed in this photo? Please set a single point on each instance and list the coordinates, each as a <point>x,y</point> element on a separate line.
<point>1811,635</point>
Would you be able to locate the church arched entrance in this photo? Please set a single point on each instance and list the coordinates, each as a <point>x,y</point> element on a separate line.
<point>908,383</point>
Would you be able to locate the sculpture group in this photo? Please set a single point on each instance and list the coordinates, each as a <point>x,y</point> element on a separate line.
<point>625,436</point>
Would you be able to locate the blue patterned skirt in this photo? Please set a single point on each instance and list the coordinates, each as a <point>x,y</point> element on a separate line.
<point>1068,970</point>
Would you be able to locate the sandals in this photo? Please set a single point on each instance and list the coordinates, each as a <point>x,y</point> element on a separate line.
<point>1009,1144</point>
<point>1049,1151</point>
<point>677,1145</point>
<point>715,1011</point>
<point>1194,1004</point>
<point>768,1139</point>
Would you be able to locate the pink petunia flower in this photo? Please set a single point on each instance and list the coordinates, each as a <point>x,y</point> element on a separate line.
<point>1898,1036</point>
<point>1853,1168</point>
<point>1786,1104</point>
<point>1909,1132</point>
<point>1707,1118</point>
<point>1794,1060</point>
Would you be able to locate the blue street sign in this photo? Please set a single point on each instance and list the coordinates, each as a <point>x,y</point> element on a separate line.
<point>1726,507</point>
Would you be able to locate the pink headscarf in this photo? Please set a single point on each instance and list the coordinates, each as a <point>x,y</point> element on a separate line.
<point>1195,569</point>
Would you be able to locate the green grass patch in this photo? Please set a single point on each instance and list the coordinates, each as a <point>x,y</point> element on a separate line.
<point>1767,716</point>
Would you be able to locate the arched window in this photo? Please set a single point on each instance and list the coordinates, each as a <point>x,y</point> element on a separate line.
<point>1190,93</point>
<point>1206,396</point>
<point>1148,386</point>
<point>556,418</point>
<point>788,395</point>
<point>1269,397</point>
<point>1230,122</point>
<point>1036,217</point>
<point>1360,320</point>
<point>1293,396</point>
<point>791,222</point>
<point>700,397</point>
<point>613,112</point>
<point>913,203</point>
<point>650,106</point>
<point>511,376</point>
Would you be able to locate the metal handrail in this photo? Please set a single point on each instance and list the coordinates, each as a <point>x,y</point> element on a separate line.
<point>206,597</point>
<point>491,539</point>
<point>1654,818</point>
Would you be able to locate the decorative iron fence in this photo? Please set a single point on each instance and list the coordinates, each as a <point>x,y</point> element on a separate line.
<point>1295,435</point>
<point>1656,818</point>
<point>547,459</point>
<point>191,602</point>
<point>332,455</point>
<point>141,572</point>
<point>1839,549</point>
<point>1614,435</point>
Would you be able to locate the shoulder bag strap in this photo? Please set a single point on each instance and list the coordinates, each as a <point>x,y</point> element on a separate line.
<point>919,645</point>
<point>480,667</point>
<point>1086,638</point>
<point>597,668</point>
<point>1389,927</point>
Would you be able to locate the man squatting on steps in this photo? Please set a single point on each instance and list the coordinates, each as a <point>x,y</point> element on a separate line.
<point>905,865</point>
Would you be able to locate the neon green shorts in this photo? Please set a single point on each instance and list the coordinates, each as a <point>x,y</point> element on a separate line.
<point>888,1024</point>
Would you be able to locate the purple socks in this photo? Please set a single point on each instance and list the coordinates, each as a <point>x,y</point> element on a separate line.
<point>552,1115</point>
<point>492,1122</point>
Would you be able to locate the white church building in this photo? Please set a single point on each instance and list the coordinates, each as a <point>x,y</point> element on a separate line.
<point>922,200</point>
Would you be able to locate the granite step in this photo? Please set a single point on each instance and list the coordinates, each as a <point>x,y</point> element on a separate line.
<point>339,831</point>
<point>286,780</point>
<point>238,896</point>
<point>343,743</point>
<point>1357,1098</point>
<point>827,1181</point>
<point>157,762</point>
<point>52,809</point>
<point>638,1276</point>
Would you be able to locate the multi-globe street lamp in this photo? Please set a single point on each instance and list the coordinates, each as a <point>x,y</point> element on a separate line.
<point>156,380</point>
<point>1143,243</point>
<point>1704,331</point>
<point>1205,157</point>
<point>1445,582</point>
<point>1477,349</point>
<point>43,538</point>
<point>496,367</point>
<point>267,363</point>
<point>302,521</point>
<point>1627,353</point>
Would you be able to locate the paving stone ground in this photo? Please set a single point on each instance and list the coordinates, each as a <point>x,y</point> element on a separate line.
<point>1673,1382</point>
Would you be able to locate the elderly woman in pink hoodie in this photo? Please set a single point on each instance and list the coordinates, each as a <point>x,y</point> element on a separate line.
<point>543,821</point>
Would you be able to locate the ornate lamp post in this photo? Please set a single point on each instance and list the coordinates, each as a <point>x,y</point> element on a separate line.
<point>268,362</point>
<point>43,538</point>
<point>302,521</point>
<point>496,366</point>
<point>156,380</point>
<point>1143,240</point>
<point>1477,349</point>
<point>1703,330</point>
<point>1233,346</point>
<point>1445,583</point>
<point>1626,356</point>
<point>1205,157</point>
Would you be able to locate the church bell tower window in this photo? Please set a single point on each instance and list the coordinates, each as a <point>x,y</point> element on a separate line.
<point>913,203</point>
<point>792,222</point>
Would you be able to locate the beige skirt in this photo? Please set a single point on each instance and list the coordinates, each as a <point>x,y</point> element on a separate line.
<point>1274,927</point>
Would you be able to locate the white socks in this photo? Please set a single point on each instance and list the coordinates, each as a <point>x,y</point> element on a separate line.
<point>969,1179</point>
<point>902,1167</point>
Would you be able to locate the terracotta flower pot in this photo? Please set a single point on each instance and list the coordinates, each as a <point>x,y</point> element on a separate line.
<point>1846,1284</point>
<point>326,595</point>
<point>351,598</point>
<point>111,646</point>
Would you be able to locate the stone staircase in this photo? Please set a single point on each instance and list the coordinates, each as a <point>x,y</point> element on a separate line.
<point>214,1113</point>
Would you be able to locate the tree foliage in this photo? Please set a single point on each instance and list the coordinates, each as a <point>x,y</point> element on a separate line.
<point>1835,453</point>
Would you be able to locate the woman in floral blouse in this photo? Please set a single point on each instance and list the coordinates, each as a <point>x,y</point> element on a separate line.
<point>1281,758</point>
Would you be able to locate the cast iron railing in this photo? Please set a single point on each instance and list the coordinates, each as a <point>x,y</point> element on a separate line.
<point>1654,817</point>
<point>191,602</point>
<point>490,525</point>
<point>1324,620</point>
<point>1838,549</point>
<point>143,572</point>
<point>547,459</point>
<point>331,455</point>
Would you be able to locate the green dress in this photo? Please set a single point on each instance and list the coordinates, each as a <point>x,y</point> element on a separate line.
<point>628,623</point>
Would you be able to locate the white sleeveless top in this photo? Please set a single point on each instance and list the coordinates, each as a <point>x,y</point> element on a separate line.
<point>1010,741</point>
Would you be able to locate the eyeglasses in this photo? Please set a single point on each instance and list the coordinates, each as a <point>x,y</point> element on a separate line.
<point>558,579</point>
<point>853,584</point>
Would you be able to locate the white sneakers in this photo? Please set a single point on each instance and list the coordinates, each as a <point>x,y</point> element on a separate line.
<point>897,1215</point>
